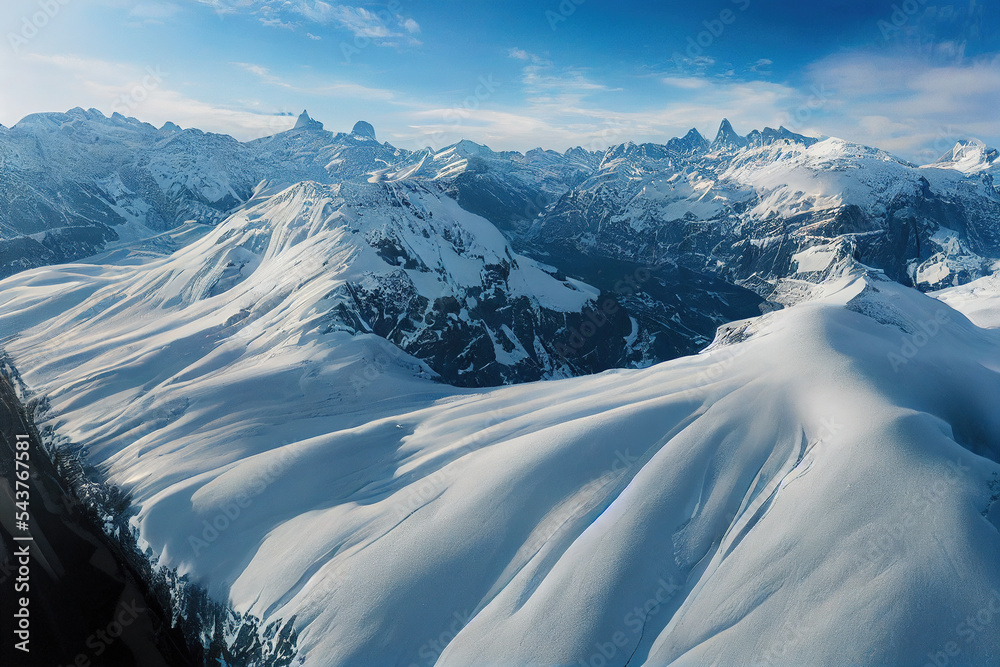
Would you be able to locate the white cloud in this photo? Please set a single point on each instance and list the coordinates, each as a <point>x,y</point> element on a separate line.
<point>259,71</point>
<point>277,23</point>
<point>520,54</point>
<point>127,89</point>
<point>224,7</point>
<point>547,87</point>
<point>562,117</point>
<point>564,107</point>
<point>380,27</point>
<point>410,25</point>
<point>911,104</point>
<point>358,20</point>
<point>338,89</point>
<point>696,66</point>
<point>150,94</point>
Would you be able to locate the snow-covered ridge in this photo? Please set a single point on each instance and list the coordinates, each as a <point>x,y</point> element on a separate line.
<point>264,383</point>
<point>741,506</point>
<point>395,260</point>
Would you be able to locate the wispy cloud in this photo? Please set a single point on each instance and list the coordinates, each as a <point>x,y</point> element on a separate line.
<point>559,110</point>
<point>338,89</point>
<point>520,54</point>
<point>224,7</point>
<point>409,25</point>
<point>692,66</point>
<point>277,23</point>
<point>911,103</point>
<point>153,12</point>
<point>686,82</point>
<point>381,27</point>
<point>934,79</point>
<point>546,85</point>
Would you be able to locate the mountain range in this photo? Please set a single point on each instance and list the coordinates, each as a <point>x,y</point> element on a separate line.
<point>727,402</point>
<point>76,182</point>
<point>711,227</point>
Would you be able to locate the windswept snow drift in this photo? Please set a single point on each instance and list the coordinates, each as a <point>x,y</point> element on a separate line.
<point>819,487</point>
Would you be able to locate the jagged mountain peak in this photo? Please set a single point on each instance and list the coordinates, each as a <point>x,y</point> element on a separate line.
<point>769,135</point>
<point>82,127</point>
<point>692,142</point>
<point>510,189</point>
<point>693,133</point>
<point>306,123</point>
<point>727,138</point>
<point>86,114</point>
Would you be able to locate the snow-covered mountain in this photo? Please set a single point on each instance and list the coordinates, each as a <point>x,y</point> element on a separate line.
<point>753,210</point>
<point>507,188</point>
<point>72,183</point>
<point>396,260</point>
<point>747,210</point>
<point>969,156</point>
<point>274,348</point>
<point>820,486</point>
<point>163,177</point>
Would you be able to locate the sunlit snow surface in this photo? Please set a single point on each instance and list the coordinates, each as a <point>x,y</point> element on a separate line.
<point>813,489</point>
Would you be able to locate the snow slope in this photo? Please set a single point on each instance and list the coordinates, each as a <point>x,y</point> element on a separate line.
<point>978,300</point>
<point>819,487</point>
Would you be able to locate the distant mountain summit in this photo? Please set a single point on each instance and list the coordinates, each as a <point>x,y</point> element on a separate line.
<point>727,138</point>
<point>364,129</point>
<point>768,136</point>
<point>692,142</point>
<point>306,123</point>
<point>969,155</point>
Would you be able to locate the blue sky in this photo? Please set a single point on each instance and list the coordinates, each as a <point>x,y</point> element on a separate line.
<point>906,75</point>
